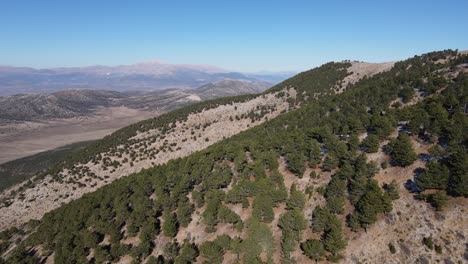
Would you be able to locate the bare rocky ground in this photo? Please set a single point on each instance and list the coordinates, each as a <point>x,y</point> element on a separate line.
<point>196,133</point>
<point>409,222</point>
<point>406,226</point>
<point>360,70</point>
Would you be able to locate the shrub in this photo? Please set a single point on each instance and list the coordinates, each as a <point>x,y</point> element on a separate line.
<point>438,200</point>
<point>427,241</point>
<point>392,248</point>
<point>438,249</point>
<point>384,165</point>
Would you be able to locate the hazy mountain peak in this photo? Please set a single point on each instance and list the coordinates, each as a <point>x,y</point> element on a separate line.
<point>163,64</point>
<point>150,75</point>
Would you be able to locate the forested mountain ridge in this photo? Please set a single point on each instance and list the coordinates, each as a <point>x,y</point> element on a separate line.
<point>34,123</point>
<point>300,186</point>
<point>155,141</point>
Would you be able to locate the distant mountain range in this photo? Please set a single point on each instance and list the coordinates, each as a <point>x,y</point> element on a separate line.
<point>73,103</point>
<point>141,76</point>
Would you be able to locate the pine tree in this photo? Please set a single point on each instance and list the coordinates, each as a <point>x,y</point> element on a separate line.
<point>292,223</point>
<point>439,200</point>
<point>353,143</point>
<point>169,226</point>
<point>353,222</point>
<point>330,162</point>
<point>263,208</point>
<point>336,204</point>
<point>458,179</point>
<point>401,150</point>
<point>372,203</point>
<point>314,154</point>
<point>381,125</point>
<point>226,215</point>
<point>184,213</point>
<point>320,219</point>
<point>435,176</point>
<point>371,143</point>
<point>333,240</point>
<point>171,251</point>
<point>296,200</point>
<point>313,249</point>
<point>212,252</point>
<point>336,187</point>
<point>188,254</point>
<point>296,163</point>
<point>236,244</point>
<point>334,192</point>
<point>210,215</point>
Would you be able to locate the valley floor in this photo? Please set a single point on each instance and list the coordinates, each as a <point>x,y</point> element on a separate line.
<point>21,140</point>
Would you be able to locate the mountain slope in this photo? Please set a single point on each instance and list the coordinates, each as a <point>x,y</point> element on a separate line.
<point>230,88</point>
<point>37,122</point>
<point>155,141</point>
<point>248,197</point>
<point>22,169</point>
<point>63,104</point>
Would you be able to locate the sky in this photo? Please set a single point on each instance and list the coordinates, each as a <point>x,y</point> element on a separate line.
<point>247,36</point>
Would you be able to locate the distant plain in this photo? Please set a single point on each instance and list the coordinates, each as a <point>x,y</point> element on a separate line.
<point>34,137</point>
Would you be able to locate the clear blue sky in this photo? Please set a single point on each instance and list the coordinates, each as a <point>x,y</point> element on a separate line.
<point>237,35</point>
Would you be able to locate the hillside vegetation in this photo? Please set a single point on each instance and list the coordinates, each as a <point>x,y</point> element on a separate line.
<point>16,171</point>
<point>35,123</point>
<point>299,187</point>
